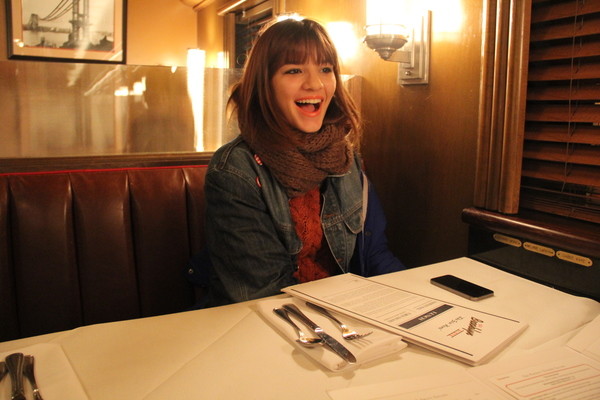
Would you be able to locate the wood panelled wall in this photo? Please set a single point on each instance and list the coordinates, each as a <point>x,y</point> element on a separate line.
<point>420,141</point>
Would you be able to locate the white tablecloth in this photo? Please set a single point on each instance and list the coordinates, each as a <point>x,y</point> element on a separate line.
<point>231,352</point>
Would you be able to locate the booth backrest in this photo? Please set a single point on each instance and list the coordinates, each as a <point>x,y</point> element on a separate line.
<point>84,247</point>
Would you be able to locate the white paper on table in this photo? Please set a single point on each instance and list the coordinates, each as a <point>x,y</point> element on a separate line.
<point>451,386</point>
<point>587,340</point>
<point>378,344</point>
<point>463,333</point>
<point>54,374</point>
<point>561,374</point>
<point>557,374</point>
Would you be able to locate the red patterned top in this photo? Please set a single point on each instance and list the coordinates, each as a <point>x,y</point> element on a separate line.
<point>315,260</point>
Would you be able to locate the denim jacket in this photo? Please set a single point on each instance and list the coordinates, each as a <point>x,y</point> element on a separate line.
<point>251,238</point>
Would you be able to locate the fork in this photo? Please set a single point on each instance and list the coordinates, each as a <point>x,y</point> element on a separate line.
<point>29,374</point>
<point>347,333</point>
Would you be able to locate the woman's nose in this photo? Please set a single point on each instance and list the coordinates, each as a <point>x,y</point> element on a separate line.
<point>313,81</point>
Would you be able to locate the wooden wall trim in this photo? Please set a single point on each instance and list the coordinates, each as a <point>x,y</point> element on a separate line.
<point>581,238</point>
<point>20,165</point>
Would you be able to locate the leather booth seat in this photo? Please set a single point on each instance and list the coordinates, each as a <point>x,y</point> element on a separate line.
<point>92,246</point>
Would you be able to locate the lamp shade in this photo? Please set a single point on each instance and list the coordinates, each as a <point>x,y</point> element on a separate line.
<point>385,12</point>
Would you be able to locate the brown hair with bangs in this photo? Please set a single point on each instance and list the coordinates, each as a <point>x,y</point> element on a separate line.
<point>288,42</point>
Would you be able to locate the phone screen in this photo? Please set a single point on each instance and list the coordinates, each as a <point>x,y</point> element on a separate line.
<point>461,287</point>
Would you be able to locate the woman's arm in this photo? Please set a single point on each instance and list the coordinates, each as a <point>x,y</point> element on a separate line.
<point>375,256</point>
<point>249,259</point>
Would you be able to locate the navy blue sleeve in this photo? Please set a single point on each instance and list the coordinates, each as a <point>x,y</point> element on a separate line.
<point>374,257</point>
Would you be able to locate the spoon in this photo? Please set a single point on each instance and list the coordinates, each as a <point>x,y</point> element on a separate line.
<point>304,340</point>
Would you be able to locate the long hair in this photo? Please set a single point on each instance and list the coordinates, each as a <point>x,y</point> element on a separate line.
<point>253,99</point>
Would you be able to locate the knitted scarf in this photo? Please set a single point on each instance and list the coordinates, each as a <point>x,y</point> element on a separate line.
<point>300,169</point>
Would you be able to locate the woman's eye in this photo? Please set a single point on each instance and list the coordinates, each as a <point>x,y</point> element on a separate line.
<point>327,69</point>
<point>293,71</point>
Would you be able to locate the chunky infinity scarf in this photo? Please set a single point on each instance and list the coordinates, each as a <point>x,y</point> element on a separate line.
<point>300,169</point>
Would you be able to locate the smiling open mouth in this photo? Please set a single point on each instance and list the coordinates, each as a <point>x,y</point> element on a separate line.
<point>309,105</point>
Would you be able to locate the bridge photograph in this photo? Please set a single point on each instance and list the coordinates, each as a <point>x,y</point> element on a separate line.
<point>86,29</point>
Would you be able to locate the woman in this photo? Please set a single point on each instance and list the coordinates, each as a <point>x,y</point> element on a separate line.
<point>285,199</point>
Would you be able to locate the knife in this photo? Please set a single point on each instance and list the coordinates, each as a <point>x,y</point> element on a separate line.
<point>328,341</point>
<point>14,362</point>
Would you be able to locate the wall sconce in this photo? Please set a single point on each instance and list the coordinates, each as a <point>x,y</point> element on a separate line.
<point>407,44</point>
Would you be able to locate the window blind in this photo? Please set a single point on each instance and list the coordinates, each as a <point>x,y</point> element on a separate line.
<point>561,153</point>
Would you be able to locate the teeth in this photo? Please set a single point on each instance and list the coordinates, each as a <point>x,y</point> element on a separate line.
<point>309,101</point>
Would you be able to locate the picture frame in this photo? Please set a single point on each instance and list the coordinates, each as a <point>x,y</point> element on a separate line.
<point>70,31</point>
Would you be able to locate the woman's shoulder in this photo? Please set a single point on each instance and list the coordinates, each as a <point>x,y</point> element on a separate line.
<point>235,160</point>
<point>236,144</point>
<point>231,154</point>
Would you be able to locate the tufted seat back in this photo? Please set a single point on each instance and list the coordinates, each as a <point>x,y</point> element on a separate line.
<point>84,247</point>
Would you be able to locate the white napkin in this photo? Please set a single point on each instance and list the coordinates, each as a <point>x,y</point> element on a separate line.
<point>54,375</point>
<point>378,344</point>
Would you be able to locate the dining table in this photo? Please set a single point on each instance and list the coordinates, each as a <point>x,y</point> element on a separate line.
<point>234,352</point>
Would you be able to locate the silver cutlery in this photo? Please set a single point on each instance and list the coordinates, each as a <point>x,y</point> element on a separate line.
<point>14,362</point>
<point>3,370</point>
<point>347,333</point>
<point>328,341</point>
<point>304,340</point>
<point>28,371</point>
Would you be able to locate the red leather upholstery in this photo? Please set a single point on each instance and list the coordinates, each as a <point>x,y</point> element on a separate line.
<point>93,246</point>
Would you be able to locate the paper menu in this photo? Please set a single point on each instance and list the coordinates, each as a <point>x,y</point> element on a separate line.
<point>466,334</point>
<point>587,340</point>
<point>455,385</point>
<point>560,374</point>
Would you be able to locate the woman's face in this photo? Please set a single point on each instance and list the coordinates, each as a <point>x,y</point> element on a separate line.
<point>303,93</point>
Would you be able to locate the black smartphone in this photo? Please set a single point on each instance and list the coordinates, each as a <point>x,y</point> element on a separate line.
<point>463,288</point>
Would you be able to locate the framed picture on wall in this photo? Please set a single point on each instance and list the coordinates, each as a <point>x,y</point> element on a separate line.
<point>67,30</point>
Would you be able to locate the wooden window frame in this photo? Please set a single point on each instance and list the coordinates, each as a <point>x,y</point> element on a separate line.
<point>505,57</point>
<point>502,104</point>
